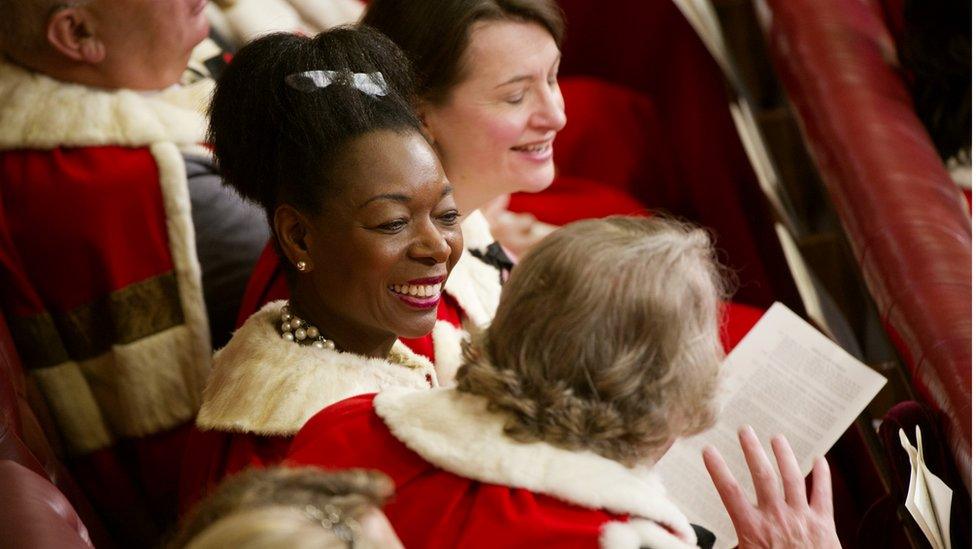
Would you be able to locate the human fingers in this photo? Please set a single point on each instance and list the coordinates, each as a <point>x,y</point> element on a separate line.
<point>793,486</point>
<point>821,493</point>
<point>763,478</point>
<point>738,506</point>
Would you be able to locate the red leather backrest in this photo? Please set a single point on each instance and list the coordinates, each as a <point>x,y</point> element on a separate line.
<point>33,513</point>
<point>23,441</point>
<point>21,436</point>
<point>906,221</point>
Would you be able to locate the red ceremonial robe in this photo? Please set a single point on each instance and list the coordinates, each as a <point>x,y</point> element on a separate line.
<point>264,388</point>
<point>461,482</point>
<point>99,278</point>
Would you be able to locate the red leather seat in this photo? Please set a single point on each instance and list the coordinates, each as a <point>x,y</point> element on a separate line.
<point>33,513</point>
<point>23,442</point>
<point>906,221</point>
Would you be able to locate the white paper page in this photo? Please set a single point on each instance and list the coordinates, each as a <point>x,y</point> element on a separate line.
<point>929,500</point>
<point>783,377</point>
<point>940,497</point>
<point>917,499</point>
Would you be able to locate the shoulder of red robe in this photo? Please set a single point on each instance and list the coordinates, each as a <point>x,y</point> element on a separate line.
<point>457,433</point>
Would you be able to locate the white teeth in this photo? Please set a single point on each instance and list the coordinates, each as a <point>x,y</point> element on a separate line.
<point>536,148</point>
<point>417,290</point>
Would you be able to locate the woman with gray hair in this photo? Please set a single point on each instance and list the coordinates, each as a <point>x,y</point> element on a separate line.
<point>603,352</point>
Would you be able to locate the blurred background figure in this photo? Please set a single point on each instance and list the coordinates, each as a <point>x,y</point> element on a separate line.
<point>121,252</point>
<point>301,508</point>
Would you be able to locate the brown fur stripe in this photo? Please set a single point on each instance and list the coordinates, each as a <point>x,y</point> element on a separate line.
<point>124,316</point>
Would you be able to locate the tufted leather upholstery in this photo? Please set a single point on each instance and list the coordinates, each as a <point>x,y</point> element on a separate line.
<point>904,218</point>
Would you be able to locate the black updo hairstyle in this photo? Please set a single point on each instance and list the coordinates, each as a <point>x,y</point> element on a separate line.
<point>276,144</point>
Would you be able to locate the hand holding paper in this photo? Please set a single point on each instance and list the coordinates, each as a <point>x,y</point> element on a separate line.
<point>780,519</point>
<point>783,377</point>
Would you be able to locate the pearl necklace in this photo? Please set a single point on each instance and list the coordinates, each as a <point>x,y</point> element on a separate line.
<point>301,332</point>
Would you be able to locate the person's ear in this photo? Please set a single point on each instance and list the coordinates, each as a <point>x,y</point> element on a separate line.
<point>425,114</point>
<point>293,231</point>
<point>70,31</point>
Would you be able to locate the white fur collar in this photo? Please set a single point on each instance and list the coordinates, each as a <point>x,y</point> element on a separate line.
<point>473,283</point>
<point>265,385</point>
<point>43,113</point>
<point>476,231</point>
<point>456,432</point>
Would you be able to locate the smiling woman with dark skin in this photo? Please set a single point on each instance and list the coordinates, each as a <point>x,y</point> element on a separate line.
<point>320,132</point>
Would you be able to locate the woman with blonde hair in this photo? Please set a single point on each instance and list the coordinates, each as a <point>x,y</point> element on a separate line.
<point>603,352</point>
<point>298,508</point>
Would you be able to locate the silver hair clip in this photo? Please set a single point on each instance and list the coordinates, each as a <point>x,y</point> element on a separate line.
<point>372,84</point>
<point>331,518</point>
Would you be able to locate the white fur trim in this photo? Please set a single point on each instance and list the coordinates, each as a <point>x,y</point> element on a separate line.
<point>637,533</point>
<point>447,351</point>
<point>476,287</point>
<point>249,19</point>
<point>473,283</point>
<point>219,23</point>
<point>456,432</point>
<point>183,250</point>
<point>38,112</point>
<point>476,231</point>
<point>73,407</point>
<point>124,392</point>
<point>266,385</point>
<point>324,14</point>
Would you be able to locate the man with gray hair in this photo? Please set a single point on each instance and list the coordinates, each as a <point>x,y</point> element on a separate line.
<point>113,229</point>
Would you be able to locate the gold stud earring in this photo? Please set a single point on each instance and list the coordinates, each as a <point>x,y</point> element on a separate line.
<point>302,266</point>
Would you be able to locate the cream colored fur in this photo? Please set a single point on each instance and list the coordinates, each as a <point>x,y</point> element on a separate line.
<point>456,432</point>
<point>265,385</point>
<point>195,362</point>
<point>38,112</point>
<point>129,391</point>
<point>325,14</point>
<point>473,283</point>
<point>125,392</point>
<point>447,351</point>
<point>249,19</point>
<point>637,533</point>
<point>74,408</point>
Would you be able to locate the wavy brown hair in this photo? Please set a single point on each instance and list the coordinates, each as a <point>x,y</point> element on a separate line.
<point>606,339</point>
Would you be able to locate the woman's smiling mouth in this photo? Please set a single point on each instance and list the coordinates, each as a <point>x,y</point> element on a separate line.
<point>540,150</point>
<point>422,293</point>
